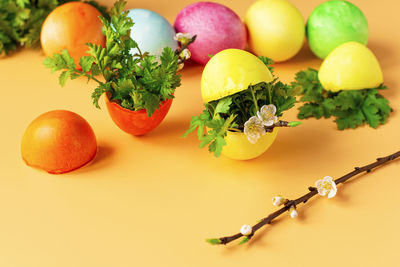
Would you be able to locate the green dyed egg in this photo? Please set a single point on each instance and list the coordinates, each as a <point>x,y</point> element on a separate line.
<point>334,23</point>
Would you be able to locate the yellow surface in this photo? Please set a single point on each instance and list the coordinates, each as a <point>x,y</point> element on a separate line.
<point>152,200</point>
<point>350,66</point>
<point>231,71</point>
<point>238,146</point>
<point>276,29</point>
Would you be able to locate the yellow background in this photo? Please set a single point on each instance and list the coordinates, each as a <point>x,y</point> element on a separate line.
<point>152,200</point>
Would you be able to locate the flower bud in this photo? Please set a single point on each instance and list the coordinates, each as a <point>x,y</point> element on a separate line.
<point>183,38</point>
<point>293,212</point>
<point>278,200</point>
<point>246,230</point>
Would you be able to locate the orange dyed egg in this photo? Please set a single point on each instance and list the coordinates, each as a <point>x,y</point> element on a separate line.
<point>58,141</point>
<point>71,26</point>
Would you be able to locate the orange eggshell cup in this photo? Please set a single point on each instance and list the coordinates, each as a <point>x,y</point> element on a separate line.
<point>137,122</point>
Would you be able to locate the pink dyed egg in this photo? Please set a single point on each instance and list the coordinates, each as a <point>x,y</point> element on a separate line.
<point>217,28</point>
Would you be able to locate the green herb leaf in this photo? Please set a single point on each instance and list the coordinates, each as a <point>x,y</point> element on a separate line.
<point>244,240</point>
<point>198,122</point>
<point>213,241</point>
<point>223,106</point>
<point>86,63</point>
<point>294,123</point>
<point>267,62</point>
<point>63,77</point>
<point>351,108</point>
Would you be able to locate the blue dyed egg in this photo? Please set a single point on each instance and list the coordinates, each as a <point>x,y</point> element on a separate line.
<point>151,31</point>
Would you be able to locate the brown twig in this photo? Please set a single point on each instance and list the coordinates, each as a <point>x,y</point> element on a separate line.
<point>303,199</point>
<point>278,124</point>
<point>183,47</point>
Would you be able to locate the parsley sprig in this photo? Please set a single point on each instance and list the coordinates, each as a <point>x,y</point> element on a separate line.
<point>351,108</point>
<point>21,21</point>
<point>134,81</point>
<point>231,112</point>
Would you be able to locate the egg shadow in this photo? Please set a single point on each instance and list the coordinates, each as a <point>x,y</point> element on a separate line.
<point>168,134</point>
<point>292,147</point>
<point>384,53</point>
<point>388,60</point>
<point>102,159</point>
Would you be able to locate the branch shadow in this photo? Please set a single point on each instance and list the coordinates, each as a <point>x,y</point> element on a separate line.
<point>292,147</point>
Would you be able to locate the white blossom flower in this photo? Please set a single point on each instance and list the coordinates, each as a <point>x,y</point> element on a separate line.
<point>246,230</point>
<point>293,212</point>
<point>254,129</point>
<point>185,54</point>
<point>183,38</point>
<point>267,115</point>
<point>278,200</point>
<point>326,186</point>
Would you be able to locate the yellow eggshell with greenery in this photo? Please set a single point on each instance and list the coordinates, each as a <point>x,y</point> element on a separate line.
<point>231,71</point>
<point>276,29</point>
<point>238,146</point>
<point>350,66</point>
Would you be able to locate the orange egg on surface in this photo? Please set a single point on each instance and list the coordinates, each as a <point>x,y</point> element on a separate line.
<point>58,141</point>
<point>71,26</point>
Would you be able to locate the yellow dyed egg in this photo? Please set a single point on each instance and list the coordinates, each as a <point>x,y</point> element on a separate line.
<point>238,146</point>
<point>350,66</point>
<point>276,29</point>
<point>231,71</point>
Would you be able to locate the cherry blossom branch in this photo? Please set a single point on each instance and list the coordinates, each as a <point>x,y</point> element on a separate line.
<point>280,123</point>
<point>184,40</point>
<point>290,205</point>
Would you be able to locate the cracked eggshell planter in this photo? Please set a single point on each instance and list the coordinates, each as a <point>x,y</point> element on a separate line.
<point>229,72</point>
<point>136,122</point>
<point>238,146</point>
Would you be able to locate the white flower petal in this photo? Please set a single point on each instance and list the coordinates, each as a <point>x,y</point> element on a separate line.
<point>267,115</point>
<point>253,138</point>
<point>272,108</point>
<point>332,193</point>
<point>268,123</point>
<point>326,186</point>
<point>185,54</point>
<point>178,36</point>
<point>253,129</point>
